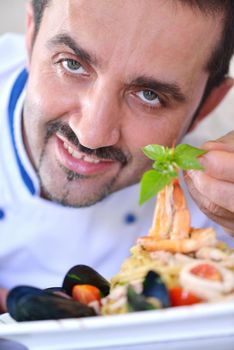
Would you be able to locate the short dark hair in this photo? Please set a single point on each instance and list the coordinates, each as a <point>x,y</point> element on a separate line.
<point>218,65</point>
<point>38,9</point>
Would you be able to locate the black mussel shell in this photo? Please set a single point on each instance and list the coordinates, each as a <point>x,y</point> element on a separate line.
<point>58,291</point>
<point>32,304</point>
<point>137,302</point>
<point>17,293</point>
<point>153,286</point>
<point>54,290</point>
<point>82,274</point>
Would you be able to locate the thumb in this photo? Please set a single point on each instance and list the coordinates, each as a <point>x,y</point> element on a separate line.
<point>224,143</point>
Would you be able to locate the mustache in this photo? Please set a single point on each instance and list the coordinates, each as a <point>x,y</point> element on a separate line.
<point>110,153</point>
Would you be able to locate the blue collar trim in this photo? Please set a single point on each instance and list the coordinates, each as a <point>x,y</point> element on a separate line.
<point>15,94</point>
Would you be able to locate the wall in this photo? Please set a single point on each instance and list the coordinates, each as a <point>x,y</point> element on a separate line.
<point>12,15</point>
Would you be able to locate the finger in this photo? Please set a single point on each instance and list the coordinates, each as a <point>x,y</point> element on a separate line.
<point>3,297</point>
<point>221,193</point>
<point>230,231</point>
<point>216,213</point>
<point>206,205</point>
<point>224,143</point>
<point>219,164</point>
<point>227,224</point>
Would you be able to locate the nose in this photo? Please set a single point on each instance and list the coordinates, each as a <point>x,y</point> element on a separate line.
<point>97,124</point>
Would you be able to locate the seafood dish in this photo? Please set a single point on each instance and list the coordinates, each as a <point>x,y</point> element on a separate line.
<point>174,265</point>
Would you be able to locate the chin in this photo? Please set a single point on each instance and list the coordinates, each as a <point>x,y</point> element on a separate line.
<point>76,194</point>
<point>75,202</point>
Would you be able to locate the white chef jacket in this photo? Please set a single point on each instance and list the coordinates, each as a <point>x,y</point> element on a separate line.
<point>40,240</point>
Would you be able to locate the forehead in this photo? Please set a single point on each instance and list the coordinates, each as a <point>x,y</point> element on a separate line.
<point>142,32</point>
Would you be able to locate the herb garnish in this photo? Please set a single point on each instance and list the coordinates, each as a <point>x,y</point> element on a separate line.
<point>74,277</point>
<point>167,163</point>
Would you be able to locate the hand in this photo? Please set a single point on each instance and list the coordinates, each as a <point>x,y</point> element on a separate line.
<point>3,296</point>
<point>213,189</point>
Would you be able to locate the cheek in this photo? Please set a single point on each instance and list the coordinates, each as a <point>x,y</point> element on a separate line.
<point>152,131</point>
<point>50,93</point>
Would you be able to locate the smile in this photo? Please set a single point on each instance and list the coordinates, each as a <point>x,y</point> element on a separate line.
<point>72,159</point>
<point>74,153</point>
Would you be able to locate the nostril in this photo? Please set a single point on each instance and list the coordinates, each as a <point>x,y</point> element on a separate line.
<point>94,134</point>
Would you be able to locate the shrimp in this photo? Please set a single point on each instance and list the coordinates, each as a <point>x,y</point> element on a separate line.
<point>206,237</point>
<point>171,216</point>
<point>171,230</point>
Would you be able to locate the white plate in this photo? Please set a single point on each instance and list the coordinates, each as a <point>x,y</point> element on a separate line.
<point>203,327</point>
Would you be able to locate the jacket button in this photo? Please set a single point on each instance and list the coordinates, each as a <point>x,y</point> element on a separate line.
<point>130,218</point>
<point>2,214</point>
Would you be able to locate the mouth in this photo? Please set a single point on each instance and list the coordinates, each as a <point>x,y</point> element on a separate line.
<point>72,159</point>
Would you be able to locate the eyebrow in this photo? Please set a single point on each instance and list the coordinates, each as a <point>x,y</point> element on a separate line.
<point>67,40</point>
<point>171,89</point>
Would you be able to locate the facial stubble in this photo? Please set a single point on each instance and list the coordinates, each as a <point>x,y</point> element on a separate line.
<point>72,177</point>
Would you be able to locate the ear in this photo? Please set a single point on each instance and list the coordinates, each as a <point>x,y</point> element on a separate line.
<point>216,95</point>
<point>30,30</point>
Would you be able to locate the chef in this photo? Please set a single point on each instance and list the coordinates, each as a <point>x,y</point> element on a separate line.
<point>96,83</point>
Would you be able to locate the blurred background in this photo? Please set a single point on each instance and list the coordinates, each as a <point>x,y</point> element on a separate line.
<point>12,16</point>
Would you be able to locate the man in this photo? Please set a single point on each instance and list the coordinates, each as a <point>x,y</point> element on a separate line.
<point>105,79</point>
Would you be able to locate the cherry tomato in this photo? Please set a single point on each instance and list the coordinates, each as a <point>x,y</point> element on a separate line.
<point>206,271</point>
<point>180,297</point>
<point>86,293</point>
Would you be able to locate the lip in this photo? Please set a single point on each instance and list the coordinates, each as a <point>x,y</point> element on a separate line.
<point>80,166</point>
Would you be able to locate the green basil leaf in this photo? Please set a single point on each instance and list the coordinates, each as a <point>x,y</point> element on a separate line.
<point>167,162</point>
<point>151,183</point>
<point>166,167</point>
<point>185,156</point>
<point>154,152</point>
<point>184,150</point>
<point>187,164</point>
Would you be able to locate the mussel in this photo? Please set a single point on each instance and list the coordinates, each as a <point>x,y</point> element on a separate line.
<point>137,302</point>
<point>58,291</point>
<point>82,274</point>
<point>154,294</point>
<point>15,296</point>
<point>27,303</point>
<point>153,286</point>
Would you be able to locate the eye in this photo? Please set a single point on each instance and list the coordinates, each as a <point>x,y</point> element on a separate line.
<point>73,66</point>
<point>149,97</point>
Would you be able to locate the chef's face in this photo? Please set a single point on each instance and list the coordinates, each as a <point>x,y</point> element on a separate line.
<point>107,78</point>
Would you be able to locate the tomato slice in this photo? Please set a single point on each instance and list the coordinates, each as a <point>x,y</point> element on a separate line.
<point>86,293</point>
<point>206,271</point>
<point>181,297</point>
